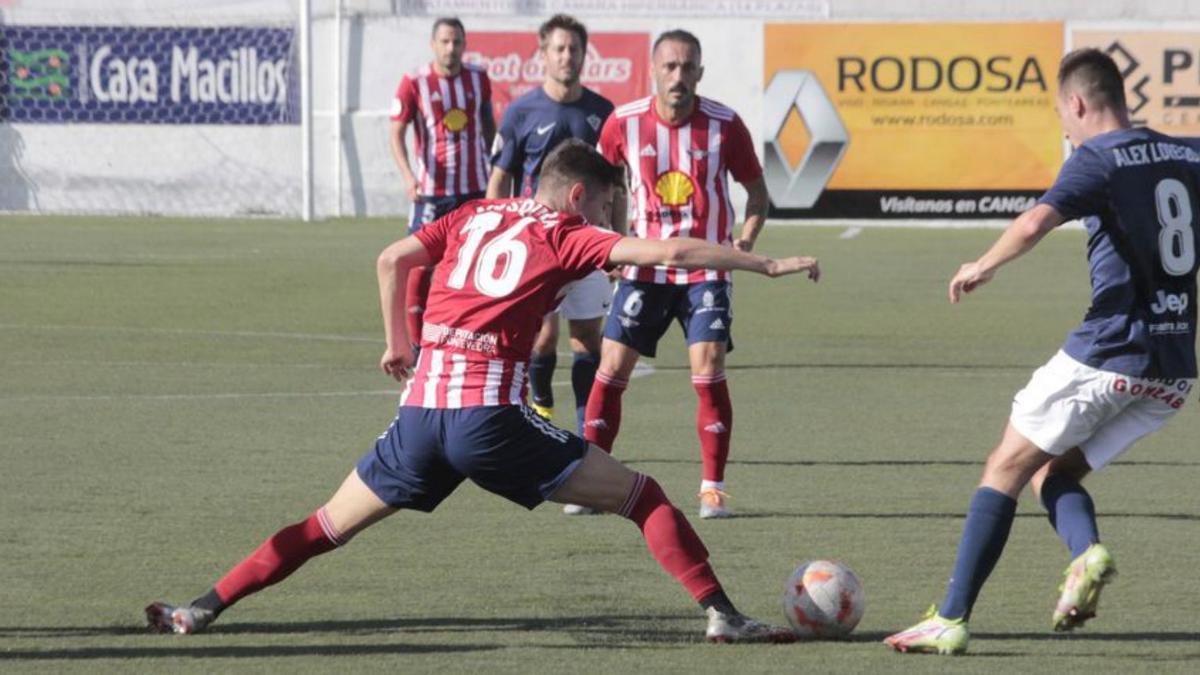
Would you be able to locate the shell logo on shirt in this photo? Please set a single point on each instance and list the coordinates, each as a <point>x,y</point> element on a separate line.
<point>674,188</point>
<point>454,120</point>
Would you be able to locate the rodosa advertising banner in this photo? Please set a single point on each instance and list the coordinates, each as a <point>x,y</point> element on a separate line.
<point>617,65</point>
<point>1162,74</point>
<point>930,120</point>
<point>148,75</point>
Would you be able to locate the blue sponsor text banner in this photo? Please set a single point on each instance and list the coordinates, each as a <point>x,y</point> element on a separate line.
<point>148,75</point>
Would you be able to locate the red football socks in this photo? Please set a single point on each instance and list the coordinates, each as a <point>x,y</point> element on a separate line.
<point>714,423</point>
<point>670,538</point>
<point>602,417</point>
<point>280,555</point>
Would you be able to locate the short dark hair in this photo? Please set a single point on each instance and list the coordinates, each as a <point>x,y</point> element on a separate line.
<point>1095,76</point>
<point>562,22</point>
<point>452,21</point>
<point>574,161</point>
<point>677,35</point>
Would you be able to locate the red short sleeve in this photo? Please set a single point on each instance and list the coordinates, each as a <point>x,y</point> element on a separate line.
<point>612,140</point>
<point>581,247</point>
<point>404,104</point>
<point>738,149</point>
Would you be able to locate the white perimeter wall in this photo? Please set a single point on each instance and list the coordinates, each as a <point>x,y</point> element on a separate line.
<point>232,170</point>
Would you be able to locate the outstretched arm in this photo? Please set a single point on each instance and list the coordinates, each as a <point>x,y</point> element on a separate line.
<point>1020,237</point>
<point>392,269</point>
<point>698,254</point>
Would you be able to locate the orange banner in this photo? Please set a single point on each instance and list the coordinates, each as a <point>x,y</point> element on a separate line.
<point>924,107</point>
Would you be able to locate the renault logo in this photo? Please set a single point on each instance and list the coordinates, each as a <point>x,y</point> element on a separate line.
<point>799,187</point>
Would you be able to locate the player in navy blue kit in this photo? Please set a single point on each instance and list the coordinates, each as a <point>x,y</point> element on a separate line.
<point>1120,375</point>
<point>533,125</point>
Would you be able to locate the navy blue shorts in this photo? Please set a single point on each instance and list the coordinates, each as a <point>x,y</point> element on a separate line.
<point>425,210</point>
<point>642,312</point>
<point>508,450</point>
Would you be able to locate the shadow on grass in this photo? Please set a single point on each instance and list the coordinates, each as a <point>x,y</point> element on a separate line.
<point>591,632</point>
<point>638,628</point>
<point>233,651</point>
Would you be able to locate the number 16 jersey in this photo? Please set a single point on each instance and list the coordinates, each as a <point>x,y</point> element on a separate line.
<point>499,268</point>
<point>1138,192</point>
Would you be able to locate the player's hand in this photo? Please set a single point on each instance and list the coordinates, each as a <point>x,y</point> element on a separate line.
<point>778,267</point>
<point>398,363</point>
<point>616,273</point>
<point>410,190</point>
<point>746,245</point>
<point>969,277</point>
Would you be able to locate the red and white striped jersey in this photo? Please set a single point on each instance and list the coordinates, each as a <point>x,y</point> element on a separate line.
<point>452,155</point>
<point>500,266</point>
<point>678,176</point>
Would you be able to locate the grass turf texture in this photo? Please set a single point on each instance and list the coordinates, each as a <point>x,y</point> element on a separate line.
<point>173,391</point>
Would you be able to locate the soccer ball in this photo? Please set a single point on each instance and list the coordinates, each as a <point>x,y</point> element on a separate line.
<point>823,599</point>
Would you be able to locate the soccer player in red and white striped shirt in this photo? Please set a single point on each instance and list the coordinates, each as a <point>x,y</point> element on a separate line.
<point>499,267</point>
<point>449,105</point>
<point>678,150</point>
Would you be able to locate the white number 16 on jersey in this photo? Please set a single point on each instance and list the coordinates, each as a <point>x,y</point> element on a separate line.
<point>491,278</point>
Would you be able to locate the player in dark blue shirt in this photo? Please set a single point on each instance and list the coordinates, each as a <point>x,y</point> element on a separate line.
<point>535,124</point>
<point>532,126</point>
<point>1120,375</point>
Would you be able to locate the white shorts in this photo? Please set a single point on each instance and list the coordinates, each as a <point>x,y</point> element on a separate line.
<point>587,298</point>
<point>1068,404</point>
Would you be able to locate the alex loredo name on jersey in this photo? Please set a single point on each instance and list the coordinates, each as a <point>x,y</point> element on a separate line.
<point>240,77</point>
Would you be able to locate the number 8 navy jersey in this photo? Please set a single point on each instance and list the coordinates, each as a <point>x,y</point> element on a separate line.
<point>1138,193</point>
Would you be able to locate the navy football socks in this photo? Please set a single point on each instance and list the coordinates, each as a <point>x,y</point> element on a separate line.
<point>541,372</point>
<point>583,373</point>
<point>1071,511</point>
<point>989,521</point>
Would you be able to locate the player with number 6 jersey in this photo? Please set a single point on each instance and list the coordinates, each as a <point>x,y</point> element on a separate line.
<point>679,150</point>
<point>499,266</point>
<point>1121,375</point>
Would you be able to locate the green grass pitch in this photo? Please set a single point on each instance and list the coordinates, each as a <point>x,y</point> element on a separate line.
<point>173,391</point>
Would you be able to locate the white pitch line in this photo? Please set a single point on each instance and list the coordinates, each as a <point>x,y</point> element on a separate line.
<point>186,331</point>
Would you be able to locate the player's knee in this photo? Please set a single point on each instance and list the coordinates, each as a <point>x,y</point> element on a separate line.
<point>707,359</point>
<point>617,362</point>
<point>644,498</point>
<point>546,342</point>
<point>1009,472</point>
<point>586,335</point>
